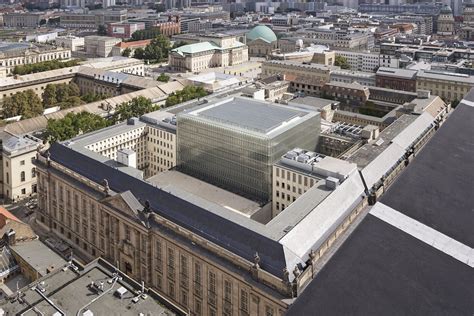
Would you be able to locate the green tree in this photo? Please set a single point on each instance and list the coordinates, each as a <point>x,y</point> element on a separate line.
<point>145,34</point>
<point>341,61</point>
<point>91,97</point>
<point>64,95</point>
<point>72,125</point>
<point>25,103</point>
<point>49,95</point>
<point>127,52</point>
<point>163,77</point>
<point>179,44</point>
<point>139,53</point>
<point>43,66</point>
<point>133,108</point>
<point>188,93</point>
<point>102,30</point>
<point>156,51</point>
<point>70,102</point>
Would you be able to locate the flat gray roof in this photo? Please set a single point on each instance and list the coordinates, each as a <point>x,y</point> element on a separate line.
<point>367,153</point>
<point>175,181</point>
<point>312,102</point>
<point>38,255</point>
<point>71,291</point>
<point>259,116</point>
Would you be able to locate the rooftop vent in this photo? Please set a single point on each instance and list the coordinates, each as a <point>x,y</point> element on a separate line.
<point>120,292</point>
<point>132,121</point>
<point>332,183</point>
<point>423,94</point>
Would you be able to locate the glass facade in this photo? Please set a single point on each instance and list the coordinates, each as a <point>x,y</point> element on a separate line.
<point>237,159</point>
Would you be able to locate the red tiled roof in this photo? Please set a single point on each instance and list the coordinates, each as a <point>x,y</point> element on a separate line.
<point>133,44</point>
<point>5,217</point>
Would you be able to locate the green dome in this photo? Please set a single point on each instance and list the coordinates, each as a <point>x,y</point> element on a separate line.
<point>263,32</point>
<point>446,10</point>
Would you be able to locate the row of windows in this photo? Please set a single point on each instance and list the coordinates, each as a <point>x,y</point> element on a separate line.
<point>185,265</point>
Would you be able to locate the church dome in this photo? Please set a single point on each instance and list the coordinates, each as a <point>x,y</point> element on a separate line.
<point>446,10</point>
<point>263,32</point>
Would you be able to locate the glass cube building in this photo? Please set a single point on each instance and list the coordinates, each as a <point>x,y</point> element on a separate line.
<point>233,143</point>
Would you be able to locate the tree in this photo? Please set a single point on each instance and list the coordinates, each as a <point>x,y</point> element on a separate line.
<point>102,30</point>
<point>64,95</point>
<point>91,97</point>
<point>70,102</point>
<point>25,103</point>
<point>156,51</point>
<point>43,66</point>
<point>72,125</point>
<point>139,53</point>
<point>188,93</point>
<point>133,108</point>
<point>341,61</point>
<point>49,95</point>
<point>179,44</point>
<point>127,52</point>
<point>163,77</point>
<point>145,34</point>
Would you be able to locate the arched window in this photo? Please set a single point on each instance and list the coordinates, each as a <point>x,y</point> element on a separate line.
<point>22,176</point>
<point>33,172</point>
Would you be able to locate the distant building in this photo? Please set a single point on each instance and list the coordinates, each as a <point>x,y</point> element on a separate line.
<point>118,49</point>
<point>233,143</point>
<point>17,54</point>
<point>446,22</point>
<point>350,94</point>
<point>220,51</point>
<point>23,19</point>
<point>449,86</point>
<point>92,19</point>
<point>100,46</point>
<point>261,41</point>
<point>397,79</point>
<point>74,43</point>
<point>170,27</point>
<point>124,29</point>
<point>361,61</point>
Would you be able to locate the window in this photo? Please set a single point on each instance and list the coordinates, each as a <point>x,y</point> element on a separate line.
<point>268,311</point>
<point>127,233</point>
<point>244,301</point>
<point>184,298</point>
<point>22,163</point>
<point>197,307</point>
<point>171,263</point>
<point>33,172</point>
<point>228,291</point>
<point>171,289</point>
<point>23,191</point>
<point>22,176</point>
